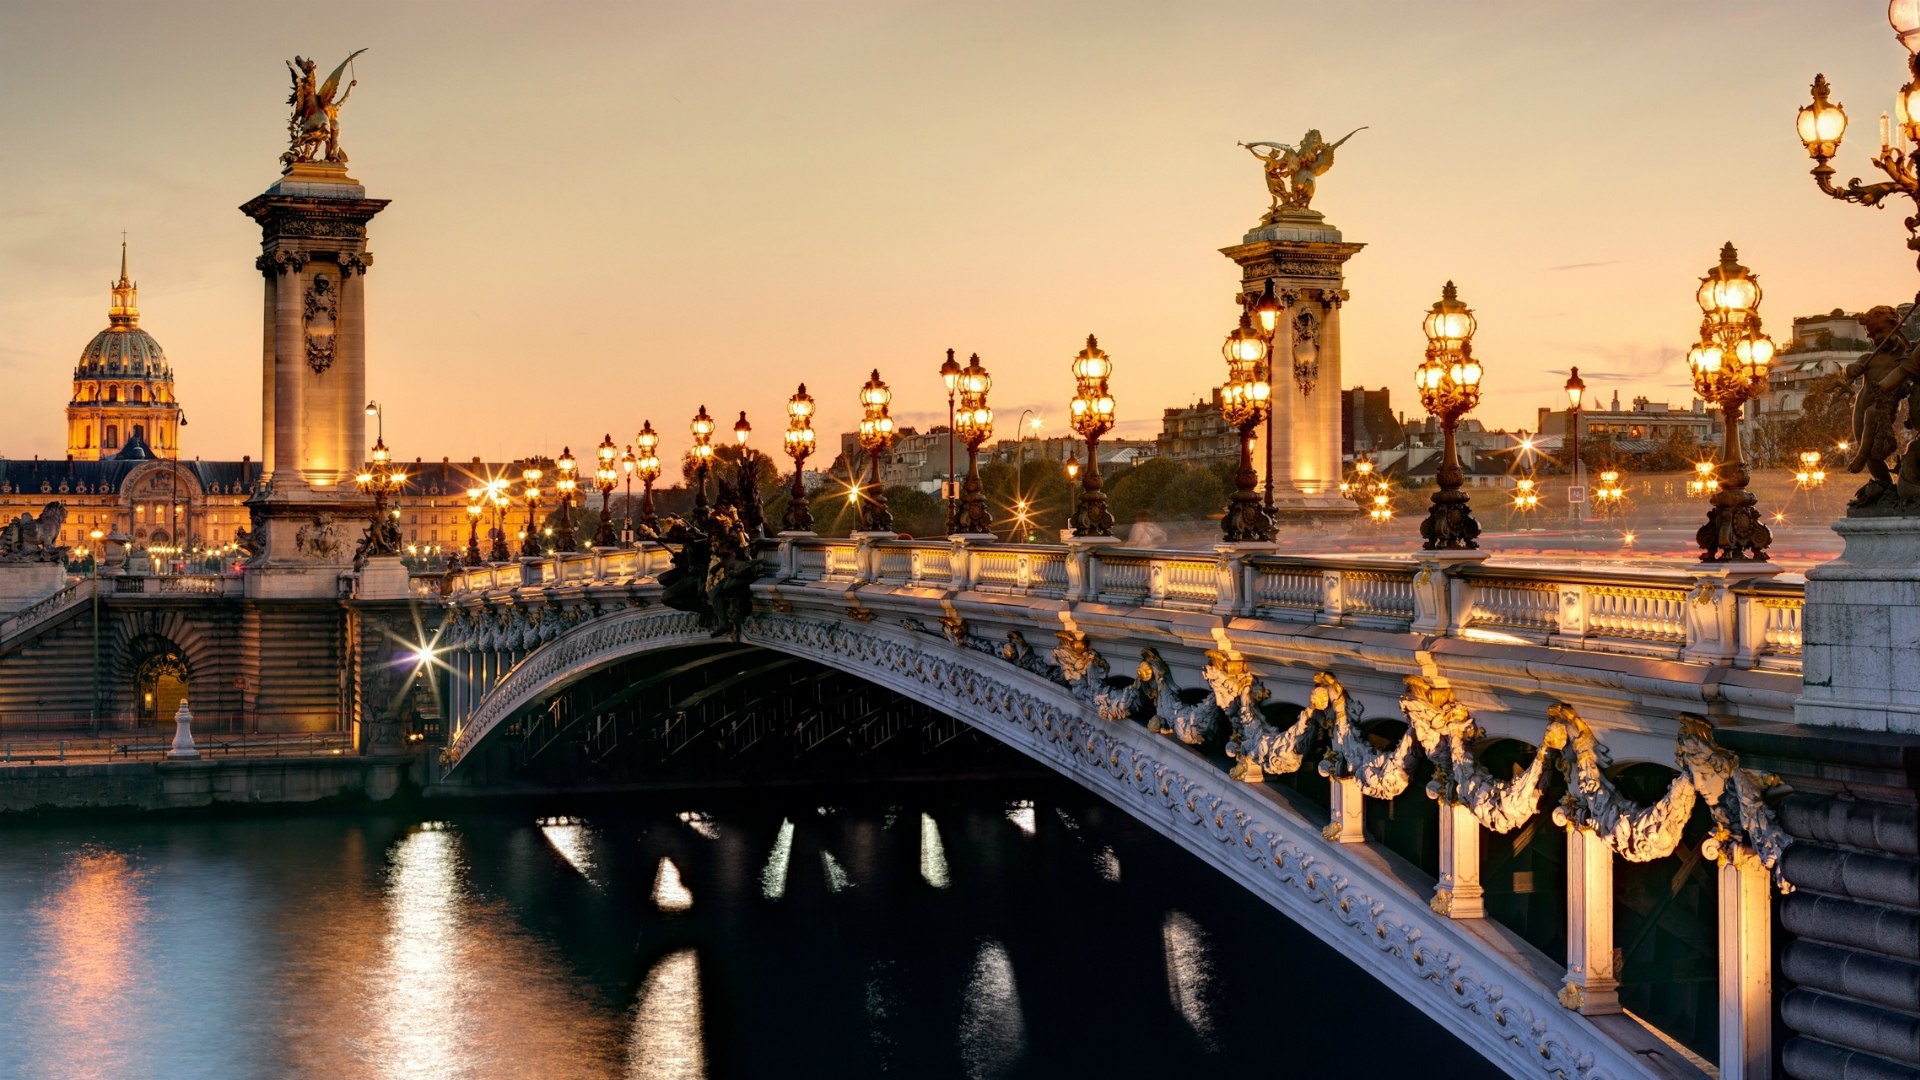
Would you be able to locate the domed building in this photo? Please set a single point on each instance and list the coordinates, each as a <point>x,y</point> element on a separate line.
<point>123,386</point>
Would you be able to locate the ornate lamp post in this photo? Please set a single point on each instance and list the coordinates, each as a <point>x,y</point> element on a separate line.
<point>1810,474</point>
<point>648,443</point>
<point>799,444</point>
<point>973,425</point>
<point>1266,312</point>
<point>702,428</point>
<point>1823,122</point>
<point>1576,389</point>
<point>500,497</point>
<point>1730,366</point>
<point>1092,407</point>
<point>746,486</point>
<point>1073,483</point>
<point>382,480</point>
<point>530,539</point>
<point>1525,496</point>
<point>605,475</point>
<point>627,464</point>
<point>566,482</point>
<point>1245,400</point>
<point>1449,384</point>
<point>474,508</point>
<point>876,436</point>
<point>950,374</point>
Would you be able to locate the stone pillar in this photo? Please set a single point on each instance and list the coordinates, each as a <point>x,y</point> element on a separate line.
<point>1861,627</point>
<point>269,331</point>
<point>1304,257</point>
<point>1458,894</point>
<point>1593,976</point>
<point>1348,807</point>
<point>1746,971</point>
<point>313,225</point>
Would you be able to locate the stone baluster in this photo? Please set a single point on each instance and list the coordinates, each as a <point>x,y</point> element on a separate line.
<point>1571,615</point>
<point>1593,968</point>
<point>1431,599</point>
<point>1458,894</point>
<point>1333,598</point>
<point>1232,576</point>
<point>866,558</point>
<point>1746,971</point>
<point>960,565</point>
<point>1348,807</point>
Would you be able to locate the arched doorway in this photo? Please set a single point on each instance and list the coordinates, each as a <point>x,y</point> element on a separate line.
<point>160,680</point>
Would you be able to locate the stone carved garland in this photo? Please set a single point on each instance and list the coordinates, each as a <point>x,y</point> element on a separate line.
<point>322,314</point>
<point>1441,729</point>
<point>1402,936</point>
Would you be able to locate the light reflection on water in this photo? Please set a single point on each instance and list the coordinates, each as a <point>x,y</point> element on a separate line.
<point>992,1030</point>
<point>493,945</point>
<point>667,1042</point>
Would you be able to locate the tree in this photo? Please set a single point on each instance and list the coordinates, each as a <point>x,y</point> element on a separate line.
<point>1825,419</point>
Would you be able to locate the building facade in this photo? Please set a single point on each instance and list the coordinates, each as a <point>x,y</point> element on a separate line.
<point>1644,427</point>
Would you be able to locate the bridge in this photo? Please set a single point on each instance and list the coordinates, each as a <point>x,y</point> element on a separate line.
<point>1359,741</point>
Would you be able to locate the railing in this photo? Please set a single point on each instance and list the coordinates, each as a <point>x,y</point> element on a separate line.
<point>69,596</point>
<point>1671,613</point>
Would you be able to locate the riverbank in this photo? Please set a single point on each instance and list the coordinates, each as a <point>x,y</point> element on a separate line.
<point>131,786</point>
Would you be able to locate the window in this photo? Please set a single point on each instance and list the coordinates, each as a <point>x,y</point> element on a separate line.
<point>86,436</point>
<point>113,393</point>
<point>112,440</point>
<point>139,432</point>
<point>137,394</point>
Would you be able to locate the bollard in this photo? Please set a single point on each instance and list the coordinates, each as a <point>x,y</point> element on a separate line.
<point>183,734</point>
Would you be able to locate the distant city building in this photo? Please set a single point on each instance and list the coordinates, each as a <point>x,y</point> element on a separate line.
<point>1197,434</point>
<point>1821,345</point>
<point>1367,423</point>
<point>123,470</point>
<point>1645,427</point>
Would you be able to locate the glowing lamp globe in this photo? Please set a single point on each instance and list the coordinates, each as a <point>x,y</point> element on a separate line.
<point>1904,17</point>
<point>1449,323</point>
<point>1821,123</point>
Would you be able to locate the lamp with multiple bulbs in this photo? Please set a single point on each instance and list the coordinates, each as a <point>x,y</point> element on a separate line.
<point>1092,416</point>
<point>1245,400</point>
<point>798,443</point>
<point>1729,366</point>
<point>876,437</point>
<point>1449,384</point>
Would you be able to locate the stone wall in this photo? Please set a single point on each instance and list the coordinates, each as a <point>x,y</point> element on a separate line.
<point>170,785</point>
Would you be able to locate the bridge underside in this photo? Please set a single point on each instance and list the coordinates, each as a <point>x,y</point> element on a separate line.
<point>731,714</point>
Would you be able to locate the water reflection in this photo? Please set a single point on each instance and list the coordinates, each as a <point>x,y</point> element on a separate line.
<point>668,893</point>
<point>933,854</point>
<point>1108,864</point>
<point>1021,814</point>
<point>700,823</point>
<point>89,927</point>
<point>425,979</point>
<point>837,879</point>
<point>571,841</point>
<point>773,879</point>
<point>1189,971</point>
<point>992,1031</point>
<point>667,1042</point>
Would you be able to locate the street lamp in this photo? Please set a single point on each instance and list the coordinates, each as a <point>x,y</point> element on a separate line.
<point>1576,388</point>
<point>702,428</point>
<point>1822,123</point>
<point>627,464</point>
<point>1268,312</point>
<point>648,443</point>
<point>500,497</point>
<point>746,487</point>
<point>605,475</point>
<point>950,374</point>
<point>1611,493</point>
<point>1703,482</point>
<point>474,508</point>
<point>1093,411</point>
<point>1245,400</point>
<point>381,479</point>
<point>1729,366</point>
<point>798,443</point>
<point>530,539</point>
<point>1810,474</point>
<point>876,436</point>
<point>973,424</point>
<point>566,483</point>
<point>1525,495</point>
<point>1449,384</point>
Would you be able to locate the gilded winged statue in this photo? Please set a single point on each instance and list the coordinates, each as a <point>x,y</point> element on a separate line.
<point>313,127</point>
<point>1291,169</point>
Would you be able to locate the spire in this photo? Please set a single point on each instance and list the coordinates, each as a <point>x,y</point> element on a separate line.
<point>125,309</point>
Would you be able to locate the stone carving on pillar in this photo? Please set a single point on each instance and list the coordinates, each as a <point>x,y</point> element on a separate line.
<point>322,312</point>
<point>1446,732</point>
<point>313,127</point>
<point>282,262</point>
<point>1381,774</point>
<point>1306,349</point>
<point>1745,832</point>
<point>318,538</point>
<point>352,263</point>
<point>1635,833</point>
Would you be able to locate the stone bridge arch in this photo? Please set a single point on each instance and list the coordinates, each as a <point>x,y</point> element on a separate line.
<point>1353,897</point>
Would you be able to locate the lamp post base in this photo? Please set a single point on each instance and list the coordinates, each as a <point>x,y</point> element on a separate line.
<point>1734,531</point>
<point>1246,520</point>
<point>1450,525</point>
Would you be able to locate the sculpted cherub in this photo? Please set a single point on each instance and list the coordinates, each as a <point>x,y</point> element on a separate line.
<point>1887,376</point>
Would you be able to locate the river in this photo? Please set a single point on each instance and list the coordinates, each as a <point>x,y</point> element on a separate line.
<point>1011,930</point>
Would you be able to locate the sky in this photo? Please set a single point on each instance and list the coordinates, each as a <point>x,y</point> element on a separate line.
<point>610,212</point>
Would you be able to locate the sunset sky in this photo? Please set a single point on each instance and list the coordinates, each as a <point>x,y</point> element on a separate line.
<point>610,212</point>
